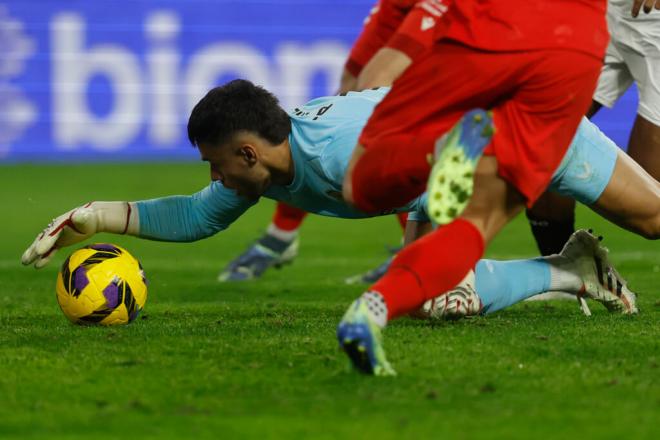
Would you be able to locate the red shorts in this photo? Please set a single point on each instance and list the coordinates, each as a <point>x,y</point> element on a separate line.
<point>537,97</point>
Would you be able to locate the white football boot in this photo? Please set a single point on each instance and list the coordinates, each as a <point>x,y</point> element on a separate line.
<point>588,259</point>
<point>457,303</point>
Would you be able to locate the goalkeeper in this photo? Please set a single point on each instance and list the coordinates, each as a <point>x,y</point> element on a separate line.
<point>256,149</point>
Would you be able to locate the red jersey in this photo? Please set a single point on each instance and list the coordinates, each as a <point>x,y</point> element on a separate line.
<point>412,26</point>
<point>515,25</point>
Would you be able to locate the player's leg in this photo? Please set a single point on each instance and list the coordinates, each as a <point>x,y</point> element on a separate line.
<point>632,196</point>
<point>278,246</point>
<point>390,165</point>
<point>582,269</point>
<point>433,263</point>
<point>586,169</point>
<point>644,143</point>
<point>534,130</point>
<point>440,260</point>
<point>359,332</point>
<point>597,173</point>
<point>631,199</point>
<point>552,218</point>
<point>421,270</point>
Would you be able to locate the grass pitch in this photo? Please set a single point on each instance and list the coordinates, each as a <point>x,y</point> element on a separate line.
<point>260,359</point>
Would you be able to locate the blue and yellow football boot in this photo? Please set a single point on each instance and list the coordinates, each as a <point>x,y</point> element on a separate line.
<point>457,152</point>
<point>361,338</point>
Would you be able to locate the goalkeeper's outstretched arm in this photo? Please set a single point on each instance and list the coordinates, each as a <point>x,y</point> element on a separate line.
<point>79,224</point>
<point>174,218</point>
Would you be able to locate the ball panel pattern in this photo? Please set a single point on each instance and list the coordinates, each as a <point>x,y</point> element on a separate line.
<point>96,316</point>
<point>101,284</point>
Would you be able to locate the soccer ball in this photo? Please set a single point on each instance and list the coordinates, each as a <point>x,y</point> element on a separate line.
<point>101,284</point>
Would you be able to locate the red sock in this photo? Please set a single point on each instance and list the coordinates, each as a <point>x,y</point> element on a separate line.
<point>288,218</point>
<point>430,266</point>
<point>392,172</point>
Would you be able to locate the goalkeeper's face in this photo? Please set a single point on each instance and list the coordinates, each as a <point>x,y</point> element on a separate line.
<point>238,166</point>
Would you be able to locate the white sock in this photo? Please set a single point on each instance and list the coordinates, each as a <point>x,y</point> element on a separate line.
<point>564,276</point>
<point>377,307</point>
<point>281,234</point>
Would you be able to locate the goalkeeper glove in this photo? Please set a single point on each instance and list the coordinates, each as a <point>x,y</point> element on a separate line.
<point>79,224</point>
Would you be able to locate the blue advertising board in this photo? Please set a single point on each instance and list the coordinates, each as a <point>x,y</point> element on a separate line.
<point>116,80</point>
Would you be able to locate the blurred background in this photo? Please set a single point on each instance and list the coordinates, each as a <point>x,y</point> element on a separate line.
<point>115,80</point>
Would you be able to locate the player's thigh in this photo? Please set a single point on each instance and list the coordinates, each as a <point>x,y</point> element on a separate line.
<point>615,78</point>
<point>494,201</point>
<point>631,199</point>
<point>587,166</point>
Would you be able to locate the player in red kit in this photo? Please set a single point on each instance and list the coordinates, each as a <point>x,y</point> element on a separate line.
<point>533,65</point>
<point>394,32</point>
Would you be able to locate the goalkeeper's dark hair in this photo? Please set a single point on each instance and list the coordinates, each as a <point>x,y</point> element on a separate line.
<point>236,106</point>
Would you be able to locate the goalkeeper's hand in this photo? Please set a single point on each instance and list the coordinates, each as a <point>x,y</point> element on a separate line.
<point>77,225</point>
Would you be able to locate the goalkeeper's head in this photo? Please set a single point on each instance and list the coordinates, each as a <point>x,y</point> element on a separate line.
<point>242,131</point>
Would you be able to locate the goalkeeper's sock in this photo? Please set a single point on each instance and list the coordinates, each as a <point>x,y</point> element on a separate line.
<point>550,235</point>
<point>277,239</point>
<point>431,265</point>
<point>501,284</point>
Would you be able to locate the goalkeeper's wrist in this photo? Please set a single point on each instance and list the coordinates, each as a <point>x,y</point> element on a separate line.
<point>115,217</point>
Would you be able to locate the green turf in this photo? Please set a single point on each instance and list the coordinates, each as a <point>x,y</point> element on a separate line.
<point>260,360</point>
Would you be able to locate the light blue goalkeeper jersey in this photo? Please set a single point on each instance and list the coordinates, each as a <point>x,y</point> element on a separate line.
<point>324,133</point>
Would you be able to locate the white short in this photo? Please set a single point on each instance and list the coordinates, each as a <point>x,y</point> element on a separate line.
<point>633,55</point>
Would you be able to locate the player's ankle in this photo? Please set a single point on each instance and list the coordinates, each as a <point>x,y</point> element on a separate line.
<point>282,234</point>
<point>563,276</point>
<point>277,242</point>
